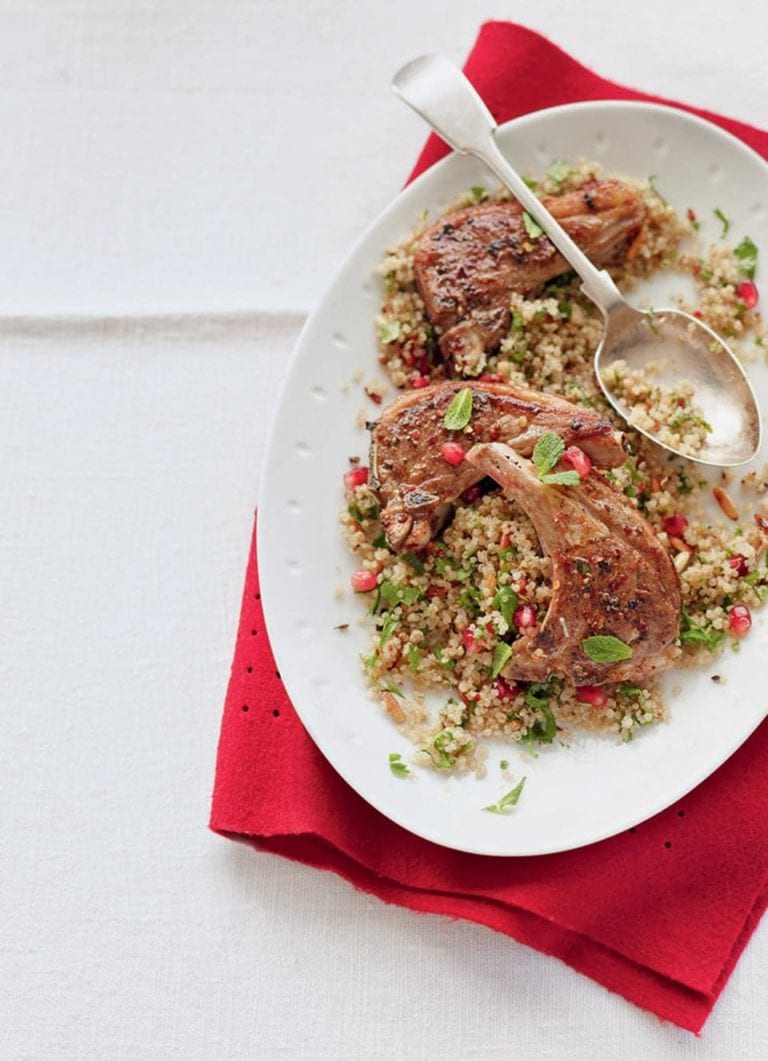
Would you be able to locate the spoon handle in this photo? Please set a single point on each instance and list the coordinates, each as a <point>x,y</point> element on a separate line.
<point>440,93</point>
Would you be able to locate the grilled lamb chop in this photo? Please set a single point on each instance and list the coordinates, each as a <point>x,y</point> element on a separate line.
<point>415,483</point>
<point>468,263</point>
<point>610,575</point>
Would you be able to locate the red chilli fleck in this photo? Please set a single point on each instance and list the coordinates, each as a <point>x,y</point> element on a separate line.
<point>592,694</point>
<point>471,494</point>
<point>578,460</point>
<point>363,581</point>
<point>675,526</point>
<point>525,617</point>
<point>452,453</point>
<point>739,619</point>
<point>748,294</point>
<point>356,477</point>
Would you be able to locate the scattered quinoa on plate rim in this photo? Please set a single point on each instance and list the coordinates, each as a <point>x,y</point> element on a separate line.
<point>440,618</point>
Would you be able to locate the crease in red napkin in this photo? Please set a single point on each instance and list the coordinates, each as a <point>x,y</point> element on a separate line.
<point>658,914</point>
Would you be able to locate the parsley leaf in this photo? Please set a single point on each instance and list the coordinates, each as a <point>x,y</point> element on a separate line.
<point>501,655</point>
<point>534,231</point>
<point>724,221</point>
<point>459,412</point>
<point>389,331</point>
<point>414,655</point>
<point>413,561</point>
<point>605,648</point>
<point>746,252</point>
<point>390,622</point>
<point>558,171</point>
<point>397,766</point>
<point>392,688</point>
<point>547,452</point>
<point>693,634</point>
<point>509,799</point>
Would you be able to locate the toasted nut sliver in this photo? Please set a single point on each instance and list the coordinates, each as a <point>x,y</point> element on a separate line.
<point>392,707</point>
<point>725,503</point>
<point>681,561</point>
<point>678,544</point>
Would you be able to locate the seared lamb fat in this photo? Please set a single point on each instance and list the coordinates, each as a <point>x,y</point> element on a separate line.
<point>416,484</point>
<point>610,575</point>
<point>469,262</point>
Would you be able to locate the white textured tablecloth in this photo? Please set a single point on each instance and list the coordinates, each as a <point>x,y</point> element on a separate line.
<point>178,181</point>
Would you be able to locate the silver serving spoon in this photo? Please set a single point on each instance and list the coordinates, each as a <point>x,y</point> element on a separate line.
<point>681,345</point>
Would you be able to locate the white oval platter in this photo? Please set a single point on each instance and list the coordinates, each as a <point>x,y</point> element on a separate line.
<point>595,787</point>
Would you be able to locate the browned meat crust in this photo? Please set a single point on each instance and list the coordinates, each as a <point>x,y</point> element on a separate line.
<point>467,264</point>
<point>415,483</point>
<point>610,575</point>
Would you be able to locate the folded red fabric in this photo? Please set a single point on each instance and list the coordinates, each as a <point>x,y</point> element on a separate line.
<point>658,914</point>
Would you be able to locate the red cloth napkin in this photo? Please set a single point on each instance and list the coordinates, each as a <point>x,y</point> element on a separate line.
<point>658,914</point>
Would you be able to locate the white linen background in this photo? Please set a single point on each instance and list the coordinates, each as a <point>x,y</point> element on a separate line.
<point>179,179</point>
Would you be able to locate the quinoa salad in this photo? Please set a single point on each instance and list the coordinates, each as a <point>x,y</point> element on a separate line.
<point>442,618</point>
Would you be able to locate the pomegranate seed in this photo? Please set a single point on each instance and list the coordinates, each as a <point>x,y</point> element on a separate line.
<point>675,526</point>
<point>698,315</point>
<point>739,619</point>
<point>452,453</point>
<point>419,381</point>
<point>436,591</point>
<point>524,617</point>
<point>739,564</point>
<point>504,690</point>
<point>691,215</point>
<point>696,268</point>
<point>363,581</point>
<point>592,694</point>
<point>505,540</point>
<point>491,377</point>
<point>471,494</point>
<point>469,640</point>
<point>373,395</point>
<point>355,477</point>
<point>578,460</point>
<point>748,293</point>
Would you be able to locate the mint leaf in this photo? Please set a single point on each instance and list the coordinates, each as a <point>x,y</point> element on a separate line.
<point>389,331</point>
<point>746,252</point>
<point>723,221</point>
<point>509,799</point>
<point>558,171</point>
<point>459,412</point>
<point>397,766</point>
<point>605,648</point>
<point>547,452</point>
<point>533,230</point>
<point>561,478</point>
<point>501,655</point>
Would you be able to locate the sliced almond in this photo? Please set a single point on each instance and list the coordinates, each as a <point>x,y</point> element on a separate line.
<point>725,503</point>
<point>681,561</point>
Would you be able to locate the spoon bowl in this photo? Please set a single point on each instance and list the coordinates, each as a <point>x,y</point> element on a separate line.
<point>678,346</point>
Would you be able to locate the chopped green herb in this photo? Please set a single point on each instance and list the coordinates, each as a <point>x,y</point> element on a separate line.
<point>413,561</point>
<point>565,309</point>
<point>444,660</point>
<point>438,752</point>
<point>631,690</point>
<point>397,766</point>
<point>504,764</point>
<point>390,687</point>
<point>584,568</point>
<point>479,194</point>
<point>531,183</point>
<point>570,478</point>
<point>389,332</point>
<point>547,452</point>
<point>413,655</point>
<point>655,190</point>
<point>380,541</point>
<point>605,648</point>
<point>517,322</point>
<point>355,513</point>
<point>746,252</point>
<point>501,655</point>
<point>558,171</point>
<point>538,697</point>
<point>509,799</point>
<point>534,231</point>
<point>505,601</point>
<point>459,412</point>
<point>650,316</point>
<point>693,634</point>
<point>390,622</point>
<point>724,221</point>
